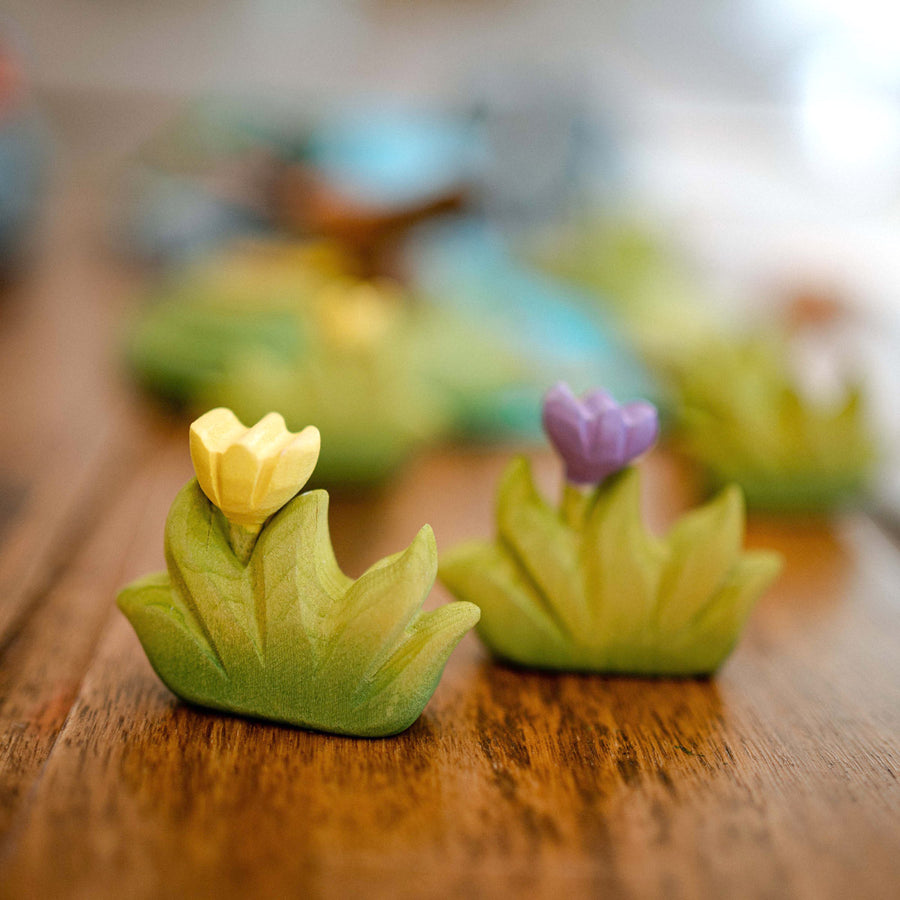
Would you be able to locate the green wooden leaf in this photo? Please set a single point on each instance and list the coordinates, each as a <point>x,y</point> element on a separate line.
<point>546,550</point>
<point>175,649</point>
<point>287,636</point>
<point>296,577</point>
<point>615,598</point>
<point>728,609</point>
<point>210,583</point>
<point>742,418</point>
<point>405,682</point>
<point>703,549</point>
<point>380,606</point>
<point>619,562</point>
<point>522,627</point>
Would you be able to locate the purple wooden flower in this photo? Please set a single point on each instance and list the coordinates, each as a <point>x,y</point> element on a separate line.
<point>594,435</point>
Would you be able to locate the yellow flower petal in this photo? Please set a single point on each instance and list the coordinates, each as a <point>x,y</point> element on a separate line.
<point>250,473</point>
<point>211,434</point>
<point>296,461</point>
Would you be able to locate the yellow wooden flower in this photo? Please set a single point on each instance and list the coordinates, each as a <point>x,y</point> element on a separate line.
<point>357,315</point>
<point>250,473</point>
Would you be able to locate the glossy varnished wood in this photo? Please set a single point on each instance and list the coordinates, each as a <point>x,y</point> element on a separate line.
<point>778,778</point>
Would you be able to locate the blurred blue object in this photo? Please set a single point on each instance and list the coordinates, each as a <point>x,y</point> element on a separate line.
<point>174,218</point>
<point>23,159</point>
<point>524,149</point>
<point>520,153</point>
<point>205,179</point>
<point>390,158</point>
<point>468,266</point>
<point>543,153</point>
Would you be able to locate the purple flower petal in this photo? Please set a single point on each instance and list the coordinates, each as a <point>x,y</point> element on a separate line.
<point>594,435</point>
<point>641,427</point>
<point>598,401</point>
<point>607,433</point>
<point>564,421</point>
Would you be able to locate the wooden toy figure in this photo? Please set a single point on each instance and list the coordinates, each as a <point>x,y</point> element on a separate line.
<point>744,419</point>
<point>584,586</point>
<point>255,617</point>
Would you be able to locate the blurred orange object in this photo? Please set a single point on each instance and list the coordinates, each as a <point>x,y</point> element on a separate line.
<point>814,307</point>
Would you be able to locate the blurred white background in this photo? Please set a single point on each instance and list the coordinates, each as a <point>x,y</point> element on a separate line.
<point>764,134</point>
<point>768,130</point>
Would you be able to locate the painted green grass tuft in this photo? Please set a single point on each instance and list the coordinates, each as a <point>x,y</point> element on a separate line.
<point>596,592</point>
<point>287,636</point>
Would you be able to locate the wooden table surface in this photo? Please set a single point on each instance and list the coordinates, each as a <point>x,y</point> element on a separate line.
<point>778,778</point>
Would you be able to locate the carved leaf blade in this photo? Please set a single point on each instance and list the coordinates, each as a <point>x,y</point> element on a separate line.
<point>399,690</point>
<point>178,654</point>
<point>514,620</point>
<point>379,606</point>
<point>621,562</point>
<point>546,549</point>
<point>211,582</point>
<point>702,549</point>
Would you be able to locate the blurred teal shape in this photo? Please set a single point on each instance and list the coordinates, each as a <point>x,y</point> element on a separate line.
<point>174,218</point>
<point>553,328</point>
<point>634,276</point>
<point>389,158</point>
<point>24,154</point>
<point>379,157</point>
<point>518,165</point>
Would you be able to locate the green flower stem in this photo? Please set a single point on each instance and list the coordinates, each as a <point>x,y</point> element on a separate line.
<point>575,502</point>
<point>242,540</point>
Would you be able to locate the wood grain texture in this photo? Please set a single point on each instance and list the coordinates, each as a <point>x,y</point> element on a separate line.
<point>41,669</point>
<point>68,424</point>
<point>779,778</point>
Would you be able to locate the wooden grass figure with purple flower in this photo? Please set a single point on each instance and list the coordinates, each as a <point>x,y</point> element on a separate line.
<point>583,586</point>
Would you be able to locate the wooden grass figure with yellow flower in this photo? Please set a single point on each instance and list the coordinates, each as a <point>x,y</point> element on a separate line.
<point>255,617</point>
<point>584,586</point>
